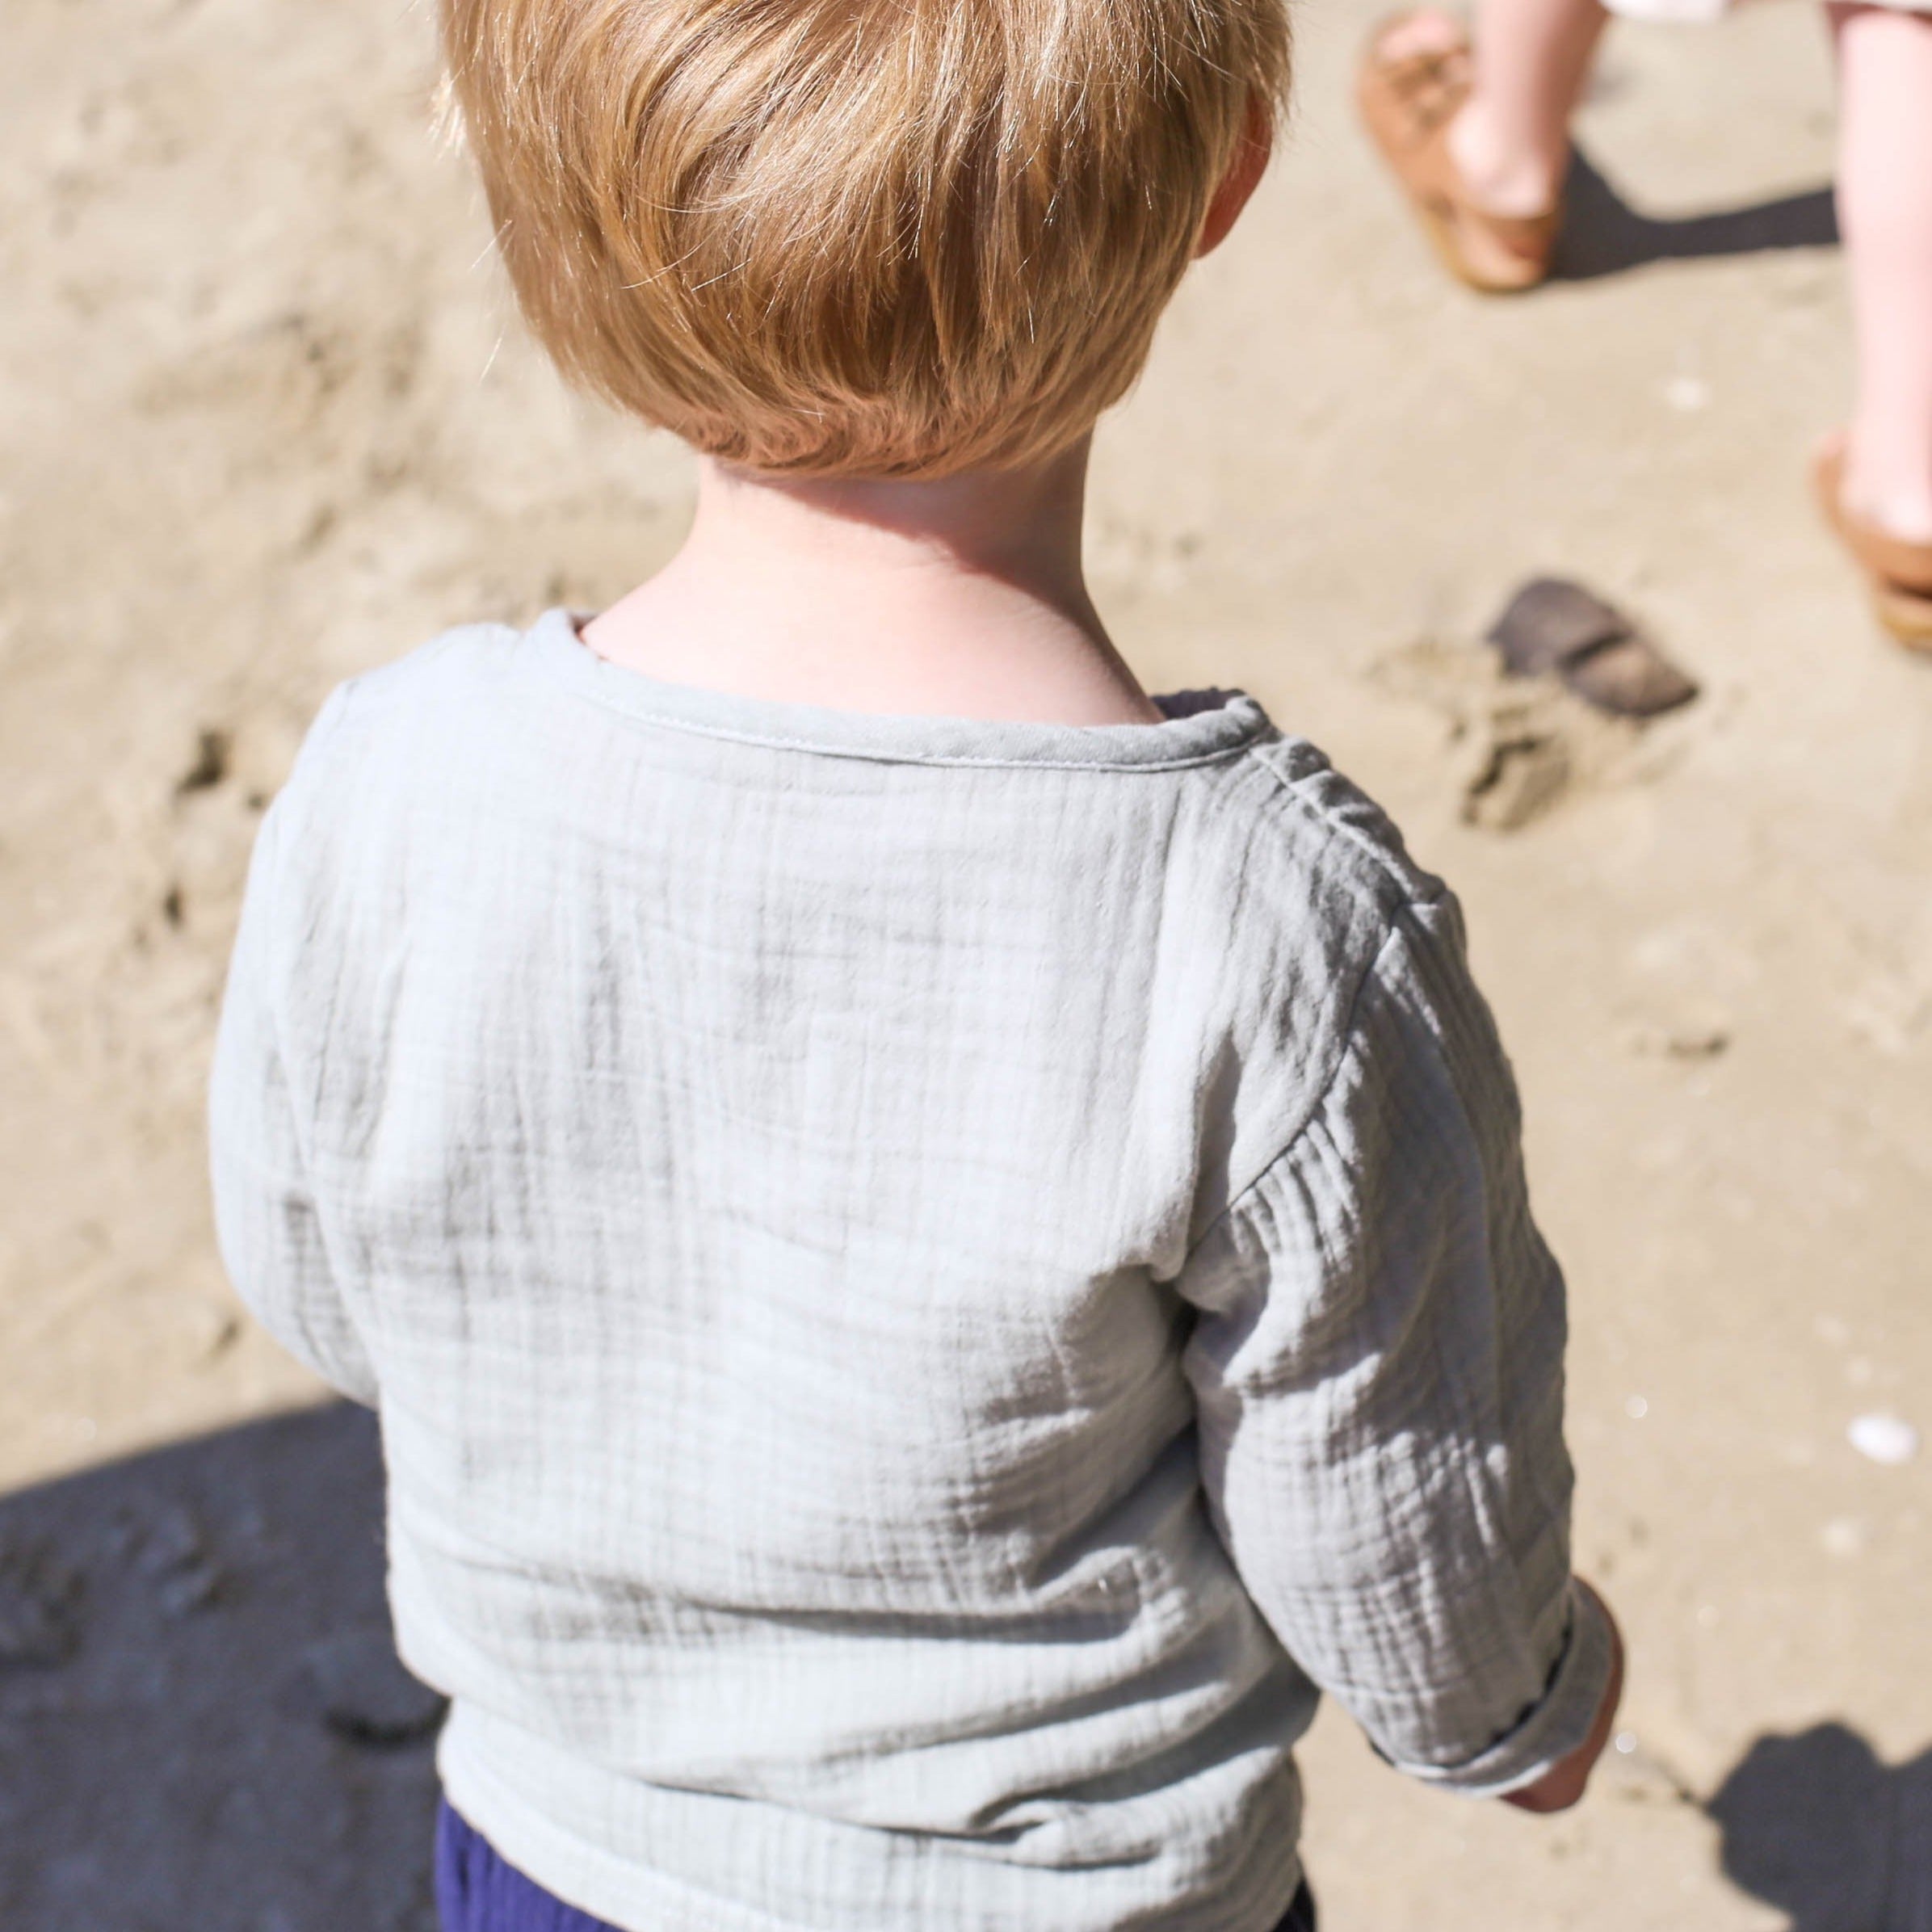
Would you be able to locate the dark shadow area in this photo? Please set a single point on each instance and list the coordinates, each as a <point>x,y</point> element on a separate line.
<point>203,1724</point>
<point>1603,235</point>
<point>1818,1826</point>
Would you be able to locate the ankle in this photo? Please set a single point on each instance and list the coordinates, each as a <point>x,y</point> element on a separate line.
<point>1503,173</point>
<point>1888,487</point>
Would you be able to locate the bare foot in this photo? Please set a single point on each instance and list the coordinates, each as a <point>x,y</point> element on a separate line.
<point>1900,506</point>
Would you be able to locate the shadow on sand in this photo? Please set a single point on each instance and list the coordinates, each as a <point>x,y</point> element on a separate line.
<point>1603,235</point>
<point>1817,1826</point>
<point>203,1726</point>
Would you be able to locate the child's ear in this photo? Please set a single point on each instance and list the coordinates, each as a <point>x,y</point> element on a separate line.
<point>1243,178</point>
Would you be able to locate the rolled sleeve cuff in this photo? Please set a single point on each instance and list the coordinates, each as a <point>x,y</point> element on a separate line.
<point>1552,1727</point>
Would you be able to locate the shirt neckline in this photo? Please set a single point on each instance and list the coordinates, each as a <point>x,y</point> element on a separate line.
<point>1199,737</point>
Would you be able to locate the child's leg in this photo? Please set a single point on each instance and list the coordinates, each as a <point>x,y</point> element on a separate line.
<point>1885,214</point>
<point>1511,140</point>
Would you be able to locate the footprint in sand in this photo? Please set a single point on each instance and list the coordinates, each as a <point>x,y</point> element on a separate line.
<point>1519,747</point>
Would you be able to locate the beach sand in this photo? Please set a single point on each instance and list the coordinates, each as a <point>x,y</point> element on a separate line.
<point>266,420</point>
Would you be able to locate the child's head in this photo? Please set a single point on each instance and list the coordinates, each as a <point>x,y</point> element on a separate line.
<point>883,237</point>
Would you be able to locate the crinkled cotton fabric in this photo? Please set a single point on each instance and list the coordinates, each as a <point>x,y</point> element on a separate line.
<point>927,1284</point>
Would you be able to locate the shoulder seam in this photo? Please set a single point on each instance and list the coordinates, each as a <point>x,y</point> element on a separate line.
<point>1293,788</point>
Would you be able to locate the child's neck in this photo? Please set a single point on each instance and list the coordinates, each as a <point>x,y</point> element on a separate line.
<point>960,598</point>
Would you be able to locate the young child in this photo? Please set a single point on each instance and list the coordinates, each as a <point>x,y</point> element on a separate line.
<point>939,1244</point>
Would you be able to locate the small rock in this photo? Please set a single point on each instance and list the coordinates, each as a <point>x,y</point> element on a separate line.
<point>365,1693</point>
<point>212,1329</point>
<point>1703,1043</point>
<point>1885,1438</point>
<point>209,767</point>
<point>1691,1029</point>
<point>40,1607</point>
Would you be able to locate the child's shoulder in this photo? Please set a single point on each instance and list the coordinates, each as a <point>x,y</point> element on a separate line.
<point>1315,850</point>
<point>1309,900</point>
<point>466,657</point>
<point>402,720</point>
<point>1337,950</point>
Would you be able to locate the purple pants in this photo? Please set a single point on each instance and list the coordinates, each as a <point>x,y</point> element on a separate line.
<point>475,1892</point>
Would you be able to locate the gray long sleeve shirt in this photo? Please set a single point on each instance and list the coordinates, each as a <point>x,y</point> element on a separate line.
<point>927,1282</point>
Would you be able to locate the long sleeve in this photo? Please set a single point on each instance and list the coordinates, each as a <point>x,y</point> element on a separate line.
<point>265,1214</point>
<point>1378,1362</point>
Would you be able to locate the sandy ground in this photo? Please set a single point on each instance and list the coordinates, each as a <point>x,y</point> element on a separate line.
<point>264,421</point>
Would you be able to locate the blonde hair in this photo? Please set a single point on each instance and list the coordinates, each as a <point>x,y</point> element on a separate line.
<point>885,238</point>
